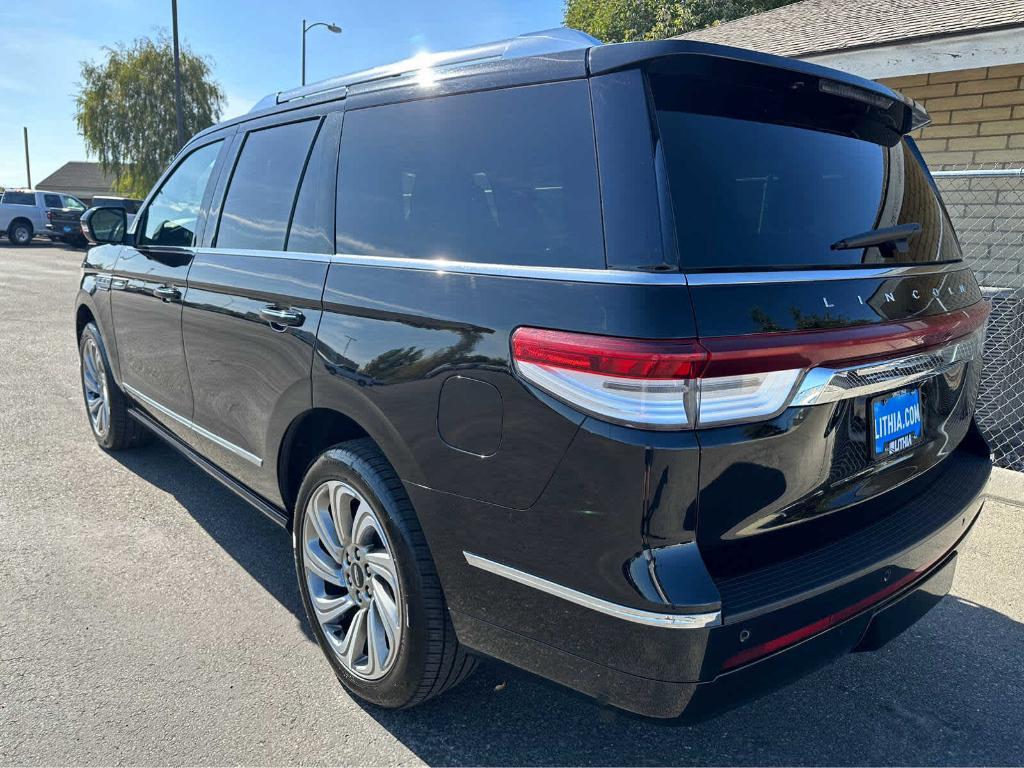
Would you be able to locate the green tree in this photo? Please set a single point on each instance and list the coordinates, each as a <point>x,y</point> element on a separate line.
<point>125,109</point>
<point>616,21</point>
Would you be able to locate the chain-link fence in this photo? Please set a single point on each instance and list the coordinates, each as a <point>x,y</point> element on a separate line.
<point>987,208</point>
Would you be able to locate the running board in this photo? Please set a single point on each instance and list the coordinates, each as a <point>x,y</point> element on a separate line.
<point>211,469</point>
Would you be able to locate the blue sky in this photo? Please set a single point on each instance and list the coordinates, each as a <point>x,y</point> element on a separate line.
<point>253,46</point>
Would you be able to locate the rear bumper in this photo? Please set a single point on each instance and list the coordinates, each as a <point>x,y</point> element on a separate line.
<point>767,632</point>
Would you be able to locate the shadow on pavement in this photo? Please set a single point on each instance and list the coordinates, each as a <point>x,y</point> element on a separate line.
<point>950,691</point>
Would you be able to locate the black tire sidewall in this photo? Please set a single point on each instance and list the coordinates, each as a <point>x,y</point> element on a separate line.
<point>399,686</point>
<point>11,233</point>
<point>109,440</point>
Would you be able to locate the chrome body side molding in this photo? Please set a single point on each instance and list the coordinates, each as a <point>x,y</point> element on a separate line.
<point>191,425</point>
<point>635,615</point>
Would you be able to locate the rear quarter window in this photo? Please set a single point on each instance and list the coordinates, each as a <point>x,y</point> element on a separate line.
<point>506,177</point>
<point>18,198</point>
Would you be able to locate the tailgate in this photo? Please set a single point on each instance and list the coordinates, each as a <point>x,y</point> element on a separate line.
<point>828,288</point>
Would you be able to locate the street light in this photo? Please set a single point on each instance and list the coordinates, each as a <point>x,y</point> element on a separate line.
<point>330,28</point>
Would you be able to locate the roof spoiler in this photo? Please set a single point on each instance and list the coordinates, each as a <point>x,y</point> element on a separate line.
<point>617,56</point>
<point>530,44</point>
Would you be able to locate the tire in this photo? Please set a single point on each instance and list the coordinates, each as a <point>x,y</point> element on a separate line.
<point>105,404</point>
<point>20,232</point>
<point>425,658</point>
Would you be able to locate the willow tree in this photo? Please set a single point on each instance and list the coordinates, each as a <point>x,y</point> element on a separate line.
<point>125,109</point>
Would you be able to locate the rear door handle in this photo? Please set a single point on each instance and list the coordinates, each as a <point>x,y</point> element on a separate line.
<point>278,316</point>
<point>167,293</point>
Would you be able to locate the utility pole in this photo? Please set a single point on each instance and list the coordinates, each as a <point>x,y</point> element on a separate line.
<point>179,118</point>
<point>28,168</point>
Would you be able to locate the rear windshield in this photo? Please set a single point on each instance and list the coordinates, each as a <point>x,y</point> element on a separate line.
<point>778,193</point>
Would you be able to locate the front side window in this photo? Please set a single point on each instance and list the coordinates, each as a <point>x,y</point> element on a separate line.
<point>173,214</point>
<point>261,193</point>
<point>18,198</point>
<point>73,203</point>
<point>506,177</point>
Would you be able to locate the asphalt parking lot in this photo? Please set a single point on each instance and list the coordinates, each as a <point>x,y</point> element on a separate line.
<point>149,616</point>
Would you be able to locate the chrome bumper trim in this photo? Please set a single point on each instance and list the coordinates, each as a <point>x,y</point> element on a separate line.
<point>649,618</point>
<point>829,385</point>
<point>191,425</point>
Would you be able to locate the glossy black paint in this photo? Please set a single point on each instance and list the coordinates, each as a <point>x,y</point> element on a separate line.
<point>419,360</point>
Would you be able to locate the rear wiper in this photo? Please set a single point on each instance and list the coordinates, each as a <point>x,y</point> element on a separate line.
<point>893,238</point>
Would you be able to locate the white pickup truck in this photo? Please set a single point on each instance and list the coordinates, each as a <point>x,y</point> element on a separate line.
<point>23,212</point>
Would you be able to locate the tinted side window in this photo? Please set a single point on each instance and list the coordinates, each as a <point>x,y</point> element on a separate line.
<point>500,177</point>
<point>173,214</point>
<point>262,188</point>
<point>312,227</point>
<point>18,198</point>
<point>52,201</point>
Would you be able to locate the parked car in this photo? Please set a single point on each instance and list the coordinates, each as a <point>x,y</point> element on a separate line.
<point>130,204</point>
<point>649,368</point>
<point>64,224</point>
<point>23,213</point>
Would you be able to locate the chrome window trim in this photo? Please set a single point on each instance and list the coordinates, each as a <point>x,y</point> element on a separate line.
<point>637,616</point>
<point>816,275</point>
<point>596,275</point>
<point>191,425</point>
<point>565,274</point>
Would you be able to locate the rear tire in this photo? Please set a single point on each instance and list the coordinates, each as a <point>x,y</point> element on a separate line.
<point>20,232</point>
<point>351,494</point>
<point>105,404</point>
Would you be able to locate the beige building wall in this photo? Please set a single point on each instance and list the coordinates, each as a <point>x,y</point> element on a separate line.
<point>977,115</point>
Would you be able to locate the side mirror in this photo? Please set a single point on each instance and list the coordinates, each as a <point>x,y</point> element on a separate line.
<point>104,225</point>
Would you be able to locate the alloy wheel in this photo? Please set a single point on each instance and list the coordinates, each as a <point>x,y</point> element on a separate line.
<point>94,382</point>
<point>21,234</point>
<point>352,580</point>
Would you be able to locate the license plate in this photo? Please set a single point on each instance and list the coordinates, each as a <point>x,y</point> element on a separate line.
<point>896,422</point>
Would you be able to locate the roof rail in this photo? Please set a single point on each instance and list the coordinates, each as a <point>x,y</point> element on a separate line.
<point>529,44</point>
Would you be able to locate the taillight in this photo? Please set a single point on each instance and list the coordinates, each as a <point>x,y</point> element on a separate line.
<point>49,215</point>
<point>630,381</point>
<point>688,383</point>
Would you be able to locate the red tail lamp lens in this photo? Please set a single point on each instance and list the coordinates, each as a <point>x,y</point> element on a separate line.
<point>608,356</point>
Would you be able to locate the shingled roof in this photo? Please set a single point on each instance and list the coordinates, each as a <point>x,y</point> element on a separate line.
<point>79,178</point>
<point>824,26</point>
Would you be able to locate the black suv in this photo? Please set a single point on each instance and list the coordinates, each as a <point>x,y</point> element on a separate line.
<point>649,368</point>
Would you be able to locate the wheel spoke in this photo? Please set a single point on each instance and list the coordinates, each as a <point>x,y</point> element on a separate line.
<point>388,611</point>
<point>383,565</point>
<point>320,517</point>
<point>322,566</point>
<point>95,404</point>
<point>353,646</point>
<point>328,608</point>
<point>363,524</point>
<point>341,512</point>
<point>376,640</point>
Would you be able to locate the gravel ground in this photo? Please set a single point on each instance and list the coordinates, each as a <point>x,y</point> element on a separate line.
<point>147,616</point>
